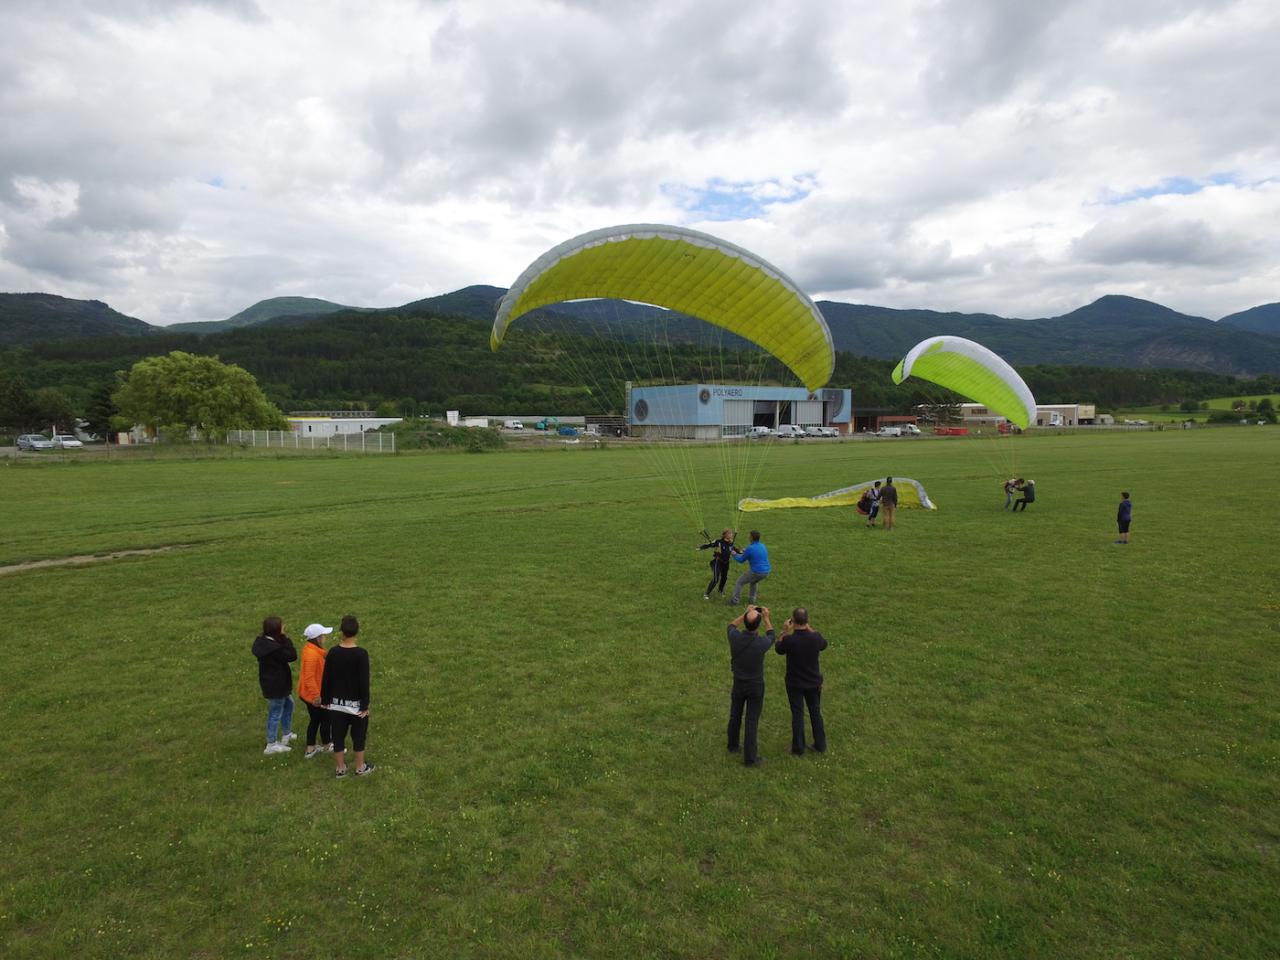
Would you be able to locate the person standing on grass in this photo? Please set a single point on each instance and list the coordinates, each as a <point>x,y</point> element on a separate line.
<point>873,504</point>
<point>801,644</point>
<point>888,502</point>
<point>1028,490</point>
<point>1010,485</point>
<point>344,691</point>
<point>1123,516</point>
<point>719,560</point>
<point>275,652</point>
<point>756,557</point>
<point>746,659</point>
<point>309,677</point>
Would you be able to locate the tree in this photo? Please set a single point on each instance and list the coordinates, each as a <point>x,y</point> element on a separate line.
<point>181,392</point>
<point>51,406</point>
<point>16,411</point>
<point>101,411</point>
<point>1189,406</point>
<point>1266,408</point>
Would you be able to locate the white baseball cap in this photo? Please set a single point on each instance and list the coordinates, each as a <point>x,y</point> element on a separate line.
<point>316,630</point>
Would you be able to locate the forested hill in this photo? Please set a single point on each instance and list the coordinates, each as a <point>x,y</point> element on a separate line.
<point>32,317</point>
<point>428,362</point>
<point>1113,331</point>
<point>1263,319</point>
<point>264,311</point>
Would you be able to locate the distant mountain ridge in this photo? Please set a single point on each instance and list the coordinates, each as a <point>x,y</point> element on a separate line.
<point>264,311</point>
<point>33,317</point>
<point>1263,319</point>
<point>1113,331</point>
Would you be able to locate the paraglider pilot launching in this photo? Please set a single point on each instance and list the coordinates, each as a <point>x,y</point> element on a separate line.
<point>724,551</point>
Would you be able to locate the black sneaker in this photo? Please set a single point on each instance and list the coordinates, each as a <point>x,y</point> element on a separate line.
<point>364,771</point>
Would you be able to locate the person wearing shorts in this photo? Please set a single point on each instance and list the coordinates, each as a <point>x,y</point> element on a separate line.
<point>1123,516</point>
<point>344,691</point>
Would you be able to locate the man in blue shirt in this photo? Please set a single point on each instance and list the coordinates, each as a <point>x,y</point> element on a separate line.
<point>756,557</point>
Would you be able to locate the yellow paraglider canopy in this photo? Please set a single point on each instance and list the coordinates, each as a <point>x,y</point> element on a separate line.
<point>686,271</point>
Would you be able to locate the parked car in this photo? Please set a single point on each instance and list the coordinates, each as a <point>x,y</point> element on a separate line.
<point>910,430</point>
<point>568,431</point>
<point>512,425</point>
<point>791,430</point>
<point>755,433</point>
<point>888,432</point>
<point>66,441</point>
<point>34,441</point>
<point>821,432</point>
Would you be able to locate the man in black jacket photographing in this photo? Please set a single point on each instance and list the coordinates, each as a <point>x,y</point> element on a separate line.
<point>746,658</point>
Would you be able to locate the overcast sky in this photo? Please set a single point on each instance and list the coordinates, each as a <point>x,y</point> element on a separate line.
<point>182,161</point>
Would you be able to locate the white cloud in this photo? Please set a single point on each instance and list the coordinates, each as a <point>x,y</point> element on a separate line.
<point>183,160</point>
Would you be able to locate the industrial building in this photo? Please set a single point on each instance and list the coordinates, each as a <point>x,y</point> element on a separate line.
<point>1047,415</point>
<point>708,411</point>
<point>329,423</point>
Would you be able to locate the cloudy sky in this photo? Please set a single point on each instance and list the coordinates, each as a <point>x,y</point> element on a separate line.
<point>182,160</point>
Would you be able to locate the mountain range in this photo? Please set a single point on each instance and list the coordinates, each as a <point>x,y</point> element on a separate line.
<point>1113,331</point>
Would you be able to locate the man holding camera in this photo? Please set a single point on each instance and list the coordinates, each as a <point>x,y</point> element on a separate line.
<point>746,657</point>
<point>801,646</point>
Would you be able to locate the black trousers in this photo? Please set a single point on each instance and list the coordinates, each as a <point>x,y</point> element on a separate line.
<point>341,723</point>
<point>798,698</point>
<point>1021,502</point>
<point>318,723</point>
<point>719,573</point>
<point>747,695</point>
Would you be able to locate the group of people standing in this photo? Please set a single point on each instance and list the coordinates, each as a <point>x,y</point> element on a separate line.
<point>879,499</point>
<point>333,683</point>
<point>801,645</point>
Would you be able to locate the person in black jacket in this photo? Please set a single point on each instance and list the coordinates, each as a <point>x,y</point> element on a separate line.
<point>275,652</point>
<point>344,690</point>
<point>746,658</point>
<point>801,644</point>
<point>719,561</point>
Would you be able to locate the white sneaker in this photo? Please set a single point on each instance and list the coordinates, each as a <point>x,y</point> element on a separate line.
<point>288,736</point>
<point>276,748</point>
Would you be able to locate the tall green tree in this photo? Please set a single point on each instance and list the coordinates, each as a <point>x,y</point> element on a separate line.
<point>180,392</point>
<point>101,410</point>
<point>53,410</point>
<point>16,411</point>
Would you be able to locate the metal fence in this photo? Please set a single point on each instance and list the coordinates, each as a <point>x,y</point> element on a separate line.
<point>292,440</point>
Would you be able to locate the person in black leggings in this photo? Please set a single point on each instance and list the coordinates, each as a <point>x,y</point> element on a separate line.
<point>720,561</point>
<point>344,691</point>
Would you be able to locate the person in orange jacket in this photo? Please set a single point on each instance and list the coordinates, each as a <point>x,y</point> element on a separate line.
<point>313,654</point>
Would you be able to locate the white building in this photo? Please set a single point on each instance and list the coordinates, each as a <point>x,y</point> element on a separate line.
<point>330,423</point>
<point>1047,415</point>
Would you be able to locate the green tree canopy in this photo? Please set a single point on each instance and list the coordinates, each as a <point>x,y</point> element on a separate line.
<point>181,392</point>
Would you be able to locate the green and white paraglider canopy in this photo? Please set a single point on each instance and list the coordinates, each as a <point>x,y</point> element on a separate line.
<point>972,370</point>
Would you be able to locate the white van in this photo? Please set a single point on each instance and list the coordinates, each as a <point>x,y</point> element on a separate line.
<point>888,432</point>
<point>791,430</point>
<point>910,430</point>
<point>512,425</point>
<point>755,433</point>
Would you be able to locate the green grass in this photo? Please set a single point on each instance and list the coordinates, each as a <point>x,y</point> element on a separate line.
<point>1156,414</point>
<point>1042,745</point>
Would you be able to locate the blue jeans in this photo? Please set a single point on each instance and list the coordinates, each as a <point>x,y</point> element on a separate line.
<point>279,717</point>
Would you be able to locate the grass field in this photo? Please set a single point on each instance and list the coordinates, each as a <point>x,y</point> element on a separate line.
<point>1042,744</point>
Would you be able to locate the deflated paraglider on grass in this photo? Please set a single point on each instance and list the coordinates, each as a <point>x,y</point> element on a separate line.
<point>911,496</point>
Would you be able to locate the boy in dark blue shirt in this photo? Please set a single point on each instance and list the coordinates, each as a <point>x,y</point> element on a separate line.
<point>1123,516</point>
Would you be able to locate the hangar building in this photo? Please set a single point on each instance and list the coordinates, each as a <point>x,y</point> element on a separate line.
<point>708,411</point>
